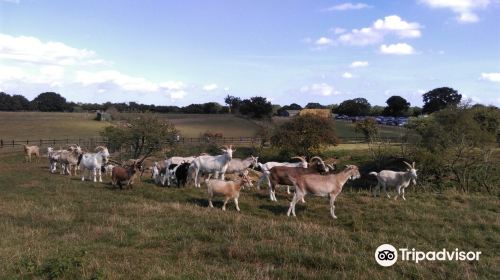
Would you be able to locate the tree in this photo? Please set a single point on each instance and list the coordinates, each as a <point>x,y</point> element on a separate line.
<point>304,135</point>
<point>396,106</point>
<point>5,102</point>
<point>457,143</point>
<point>20,103</point>
<point>368,127</point>
<point>354,107</point>
<point>314,105</point>
<point>143,135</point>
<point>49,102</point>
<point>440,98</point>
<point>233,102</point>
<point>256,107</point>
<point>293,106</point>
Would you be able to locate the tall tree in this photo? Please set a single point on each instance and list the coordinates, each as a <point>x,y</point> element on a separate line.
<point>20,103</point>
<point>304,135</point>
<point>396,106</point>
<point>233,102</point>
<point>5,102</point>
<point>354,107</point>
<point>440,98</point>
<point>49,102</point>
<point>256,107</point>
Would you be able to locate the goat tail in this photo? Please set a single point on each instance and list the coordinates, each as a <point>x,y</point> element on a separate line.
<point>373,173</point>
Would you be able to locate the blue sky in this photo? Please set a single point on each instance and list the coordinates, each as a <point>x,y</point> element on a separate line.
<point>183,52</point>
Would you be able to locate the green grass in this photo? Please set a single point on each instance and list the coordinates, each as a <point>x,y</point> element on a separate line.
<point>56,226</point>
<point>36,125</point>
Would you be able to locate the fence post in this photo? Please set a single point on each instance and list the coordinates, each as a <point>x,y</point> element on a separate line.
<point>1,143</point>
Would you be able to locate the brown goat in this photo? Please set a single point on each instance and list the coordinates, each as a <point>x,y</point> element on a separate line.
<point>121,174</point>
<point>280,175</point>
<point>29,151</point>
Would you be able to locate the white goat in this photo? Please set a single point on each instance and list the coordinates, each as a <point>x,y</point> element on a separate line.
<point>94,162</point>
<point>212,165</point>
<point>228,189</point>
<point>29,151</point>
<point>322,185</point>
<point>237,165</point>
<point>268,165</point>
<point>109,169</point>
<point>57,156</point>
<point>400,180</point>
<point>69,159</point>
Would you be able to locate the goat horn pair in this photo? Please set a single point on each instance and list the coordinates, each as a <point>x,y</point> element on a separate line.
<point>409,165</point>
<point>301,158</point>
<point>318,158</point>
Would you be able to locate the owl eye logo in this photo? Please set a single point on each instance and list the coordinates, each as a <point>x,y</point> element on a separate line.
<point>386,255</point>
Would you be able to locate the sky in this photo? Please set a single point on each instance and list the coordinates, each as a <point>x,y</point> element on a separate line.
<point>289,51</point>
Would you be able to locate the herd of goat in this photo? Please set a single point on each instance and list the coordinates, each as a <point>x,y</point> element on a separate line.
<point>314,177</point>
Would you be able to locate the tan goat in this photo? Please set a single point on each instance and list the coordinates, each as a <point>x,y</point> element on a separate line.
<point>29,151</point>
<point>228,189</point>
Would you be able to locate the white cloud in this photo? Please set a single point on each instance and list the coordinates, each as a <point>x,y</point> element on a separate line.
<point>492,77</point>
<point>397,49</point>
<point>390,25</point>
<point>357,64</point>
<point>9,73</point>
<point>322,89</point>
<point>463,8</point>
<point>347,75</point>
<point>347,6</point>
<point>323,42</point>
<point>210,87</point>
<point>33,50</point>
<point>123,81</point>
<point>338,30</point>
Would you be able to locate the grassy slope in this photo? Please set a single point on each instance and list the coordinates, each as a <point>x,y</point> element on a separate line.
<point>148,232</point>
<point>34,125</point>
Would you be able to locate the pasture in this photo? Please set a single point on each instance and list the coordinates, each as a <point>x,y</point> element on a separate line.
<point>34,125</point>
<point>54,225</point>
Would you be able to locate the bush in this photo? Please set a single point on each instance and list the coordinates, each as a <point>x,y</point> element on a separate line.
<point>304,135</point>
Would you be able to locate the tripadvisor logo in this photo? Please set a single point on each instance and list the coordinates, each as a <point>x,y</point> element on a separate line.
<point>387,255</point>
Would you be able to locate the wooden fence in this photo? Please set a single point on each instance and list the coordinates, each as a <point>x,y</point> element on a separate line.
<point>92,142</point>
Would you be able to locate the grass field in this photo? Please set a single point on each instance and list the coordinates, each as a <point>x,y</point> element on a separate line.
<point>56,226</point>
<point>36,125</point>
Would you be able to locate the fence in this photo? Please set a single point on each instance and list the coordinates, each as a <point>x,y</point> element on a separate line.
<point>96,141</point>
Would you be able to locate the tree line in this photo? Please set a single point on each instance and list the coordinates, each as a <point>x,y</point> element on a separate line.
<point>255,107</point>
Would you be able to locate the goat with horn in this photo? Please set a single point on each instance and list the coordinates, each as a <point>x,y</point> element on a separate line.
<point>280,175</point>
<point>399,180</point>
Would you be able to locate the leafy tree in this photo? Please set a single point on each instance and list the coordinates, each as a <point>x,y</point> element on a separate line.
<point>376,110</point>
<point>5,102</point>
<point>304,135</point>
<point>440,98</point>
<point>354,107</point>
<point>20,103</point>
<point>293,106</point>
<point>314,105</point>
<point>212,108</point>
<point>396,106</point>
<point>368,127</point>
<point>143,135</point>
<point>49,102</point>
<point>457,143</point>
<point>233,102</point>
<point>256,107</point>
